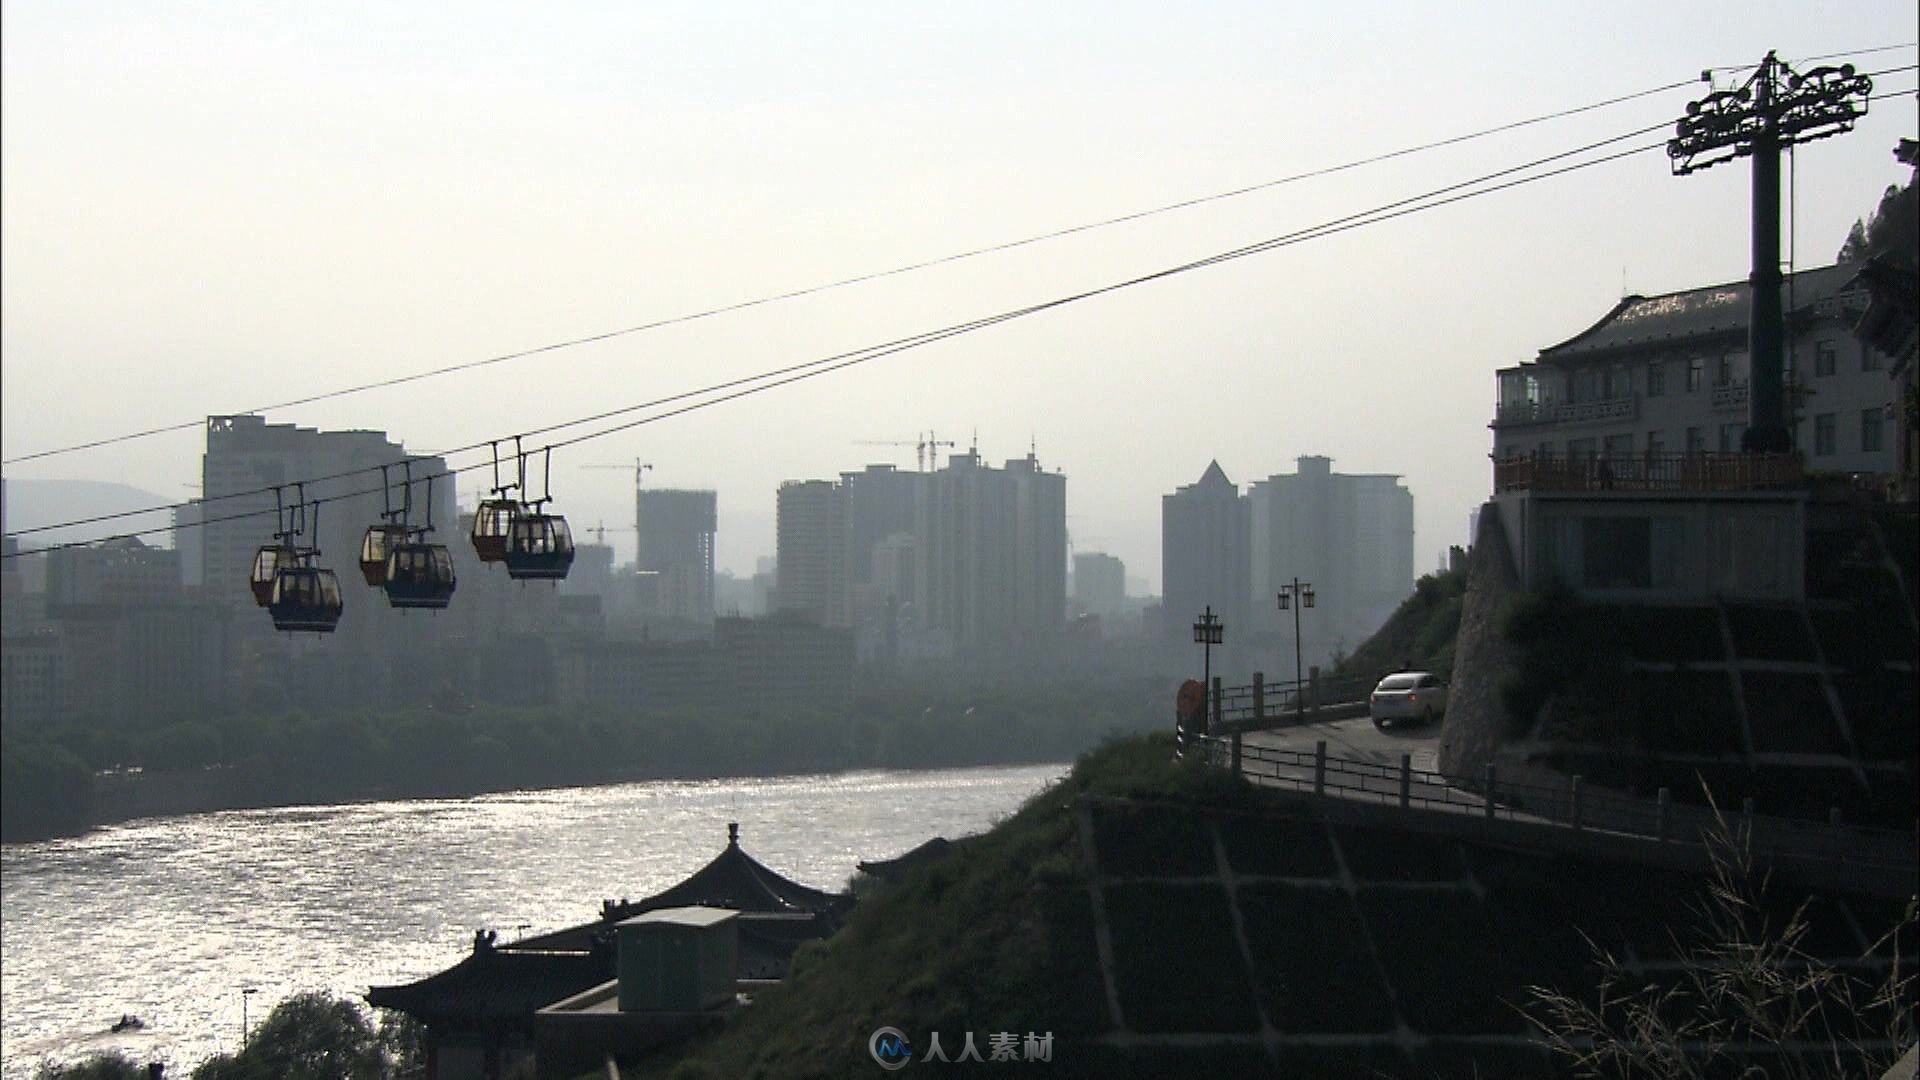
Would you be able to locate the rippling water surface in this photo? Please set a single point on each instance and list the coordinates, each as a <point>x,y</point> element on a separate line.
<point>169,918</point>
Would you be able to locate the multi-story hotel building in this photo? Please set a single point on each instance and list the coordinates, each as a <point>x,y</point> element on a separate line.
<point>1667,375</point>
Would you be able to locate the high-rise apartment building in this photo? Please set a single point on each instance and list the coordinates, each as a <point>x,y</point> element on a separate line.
<point>969,557</point>
<point>246,457</point>
<point>1099,583</point>
<point>674,557</point>
<point>1350,537</point>
<point>993,554</point>
<point>1203,554</point>
<point>811,565</point>
<point>882,501</point>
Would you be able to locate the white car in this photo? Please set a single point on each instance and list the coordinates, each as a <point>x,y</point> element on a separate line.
<point>1407,695</point>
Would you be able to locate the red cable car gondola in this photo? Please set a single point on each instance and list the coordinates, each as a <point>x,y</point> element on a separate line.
<point>493,519</point>
<point>268,559</point>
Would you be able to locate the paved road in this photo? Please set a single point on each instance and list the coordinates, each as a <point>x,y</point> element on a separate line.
<point>1358,738</point>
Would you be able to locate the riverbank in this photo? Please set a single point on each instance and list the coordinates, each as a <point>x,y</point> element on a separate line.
<point>123,796</point>
<point>52,792</point>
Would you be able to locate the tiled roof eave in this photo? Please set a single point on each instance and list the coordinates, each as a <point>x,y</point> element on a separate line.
<point>1570,353</point>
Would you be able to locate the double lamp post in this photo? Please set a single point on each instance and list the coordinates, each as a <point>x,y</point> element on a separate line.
<point>1210,631</point>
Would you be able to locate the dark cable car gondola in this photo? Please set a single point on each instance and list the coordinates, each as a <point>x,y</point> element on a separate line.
<point>381,539</point>
<point>305,596</point>
<point>419,574</point>
<point>493,519</point>
<point>539,545</point>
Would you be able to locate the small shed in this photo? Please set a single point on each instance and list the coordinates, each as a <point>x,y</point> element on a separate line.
<point>677,959</point>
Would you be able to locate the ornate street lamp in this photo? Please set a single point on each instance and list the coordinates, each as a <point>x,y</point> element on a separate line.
<point>1208,632</point>
<point>1302,592</point>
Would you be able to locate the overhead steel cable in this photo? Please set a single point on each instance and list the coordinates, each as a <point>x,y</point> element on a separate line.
<point>744,387</point>
<point>874,275</point>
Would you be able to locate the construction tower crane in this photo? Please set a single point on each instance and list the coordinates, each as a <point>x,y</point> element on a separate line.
<point>639,469</point>
<point>926,447</point>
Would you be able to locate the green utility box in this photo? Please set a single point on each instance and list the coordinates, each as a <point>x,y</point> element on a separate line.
<point>677,959</point>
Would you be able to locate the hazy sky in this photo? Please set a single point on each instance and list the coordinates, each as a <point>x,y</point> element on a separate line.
<point>213,207</point>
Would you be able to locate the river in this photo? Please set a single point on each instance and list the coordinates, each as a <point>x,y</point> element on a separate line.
<point>172,919</point>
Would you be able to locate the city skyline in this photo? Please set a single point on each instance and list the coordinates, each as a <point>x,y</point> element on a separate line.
<point>179,250</point>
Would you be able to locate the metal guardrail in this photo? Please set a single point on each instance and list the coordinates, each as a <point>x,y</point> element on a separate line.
<point>1570,806</point>
<point>1264,705</point>
<point>1649,472</point>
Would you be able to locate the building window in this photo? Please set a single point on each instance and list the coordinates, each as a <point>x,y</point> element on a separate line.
<point>1696,368</point>
<point>1619,383</point>
<point>1870,430</point>
<point>1619,447</point>
<point>1656,379</point>
<point>1730,437</point>
<point>1656,444</point>
<point>1826,357</point>
<point>1585,385</point>
<point>1823,435</point>
<point>1546,449</point>
<point>1869,358</point>
<point>1696,440</point>
<point>1580,449</point>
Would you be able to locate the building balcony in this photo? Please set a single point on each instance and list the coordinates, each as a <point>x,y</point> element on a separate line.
<point>1650,472</point>
<point>1607,410</point>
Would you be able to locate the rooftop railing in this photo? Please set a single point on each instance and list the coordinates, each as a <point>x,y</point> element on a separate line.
<point>1650,472</point>
<point>1568,412</point>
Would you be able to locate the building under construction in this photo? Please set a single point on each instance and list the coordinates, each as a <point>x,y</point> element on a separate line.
<point>674,558</point>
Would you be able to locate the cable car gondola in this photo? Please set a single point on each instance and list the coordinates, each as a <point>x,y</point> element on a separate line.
<point>540,548</point>
<point>419,574</point>
<point>380,539</point>
<point>375,548</point>
<point>306,597</point>
<point>539,544</point>
<point>493,519</point>
<point>266,561</point>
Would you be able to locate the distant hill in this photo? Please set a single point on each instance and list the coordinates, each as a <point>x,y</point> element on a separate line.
<point>35,503</point>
